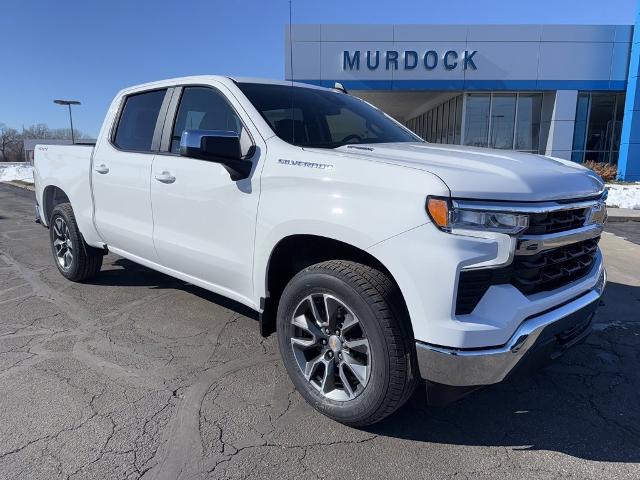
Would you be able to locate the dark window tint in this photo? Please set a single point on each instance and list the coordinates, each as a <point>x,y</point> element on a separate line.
<point>598,127</point>
<point>138,121</point>
<point>203,108</point>
<point>310,117</point>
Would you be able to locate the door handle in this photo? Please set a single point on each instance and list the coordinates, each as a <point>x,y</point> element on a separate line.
<point>102,169</point>
<point>165,177</point>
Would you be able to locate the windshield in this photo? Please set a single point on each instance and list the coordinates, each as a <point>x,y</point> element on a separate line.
<point>310,117</point>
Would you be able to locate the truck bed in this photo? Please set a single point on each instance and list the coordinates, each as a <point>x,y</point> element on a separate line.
<point>66,168</point>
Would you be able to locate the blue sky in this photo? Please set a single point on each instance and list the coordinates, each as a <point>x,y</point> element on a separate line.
<point>89,50</point>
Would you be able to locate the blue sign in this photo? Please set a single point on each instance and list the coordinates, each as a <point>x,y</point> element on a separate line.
<point>410,60</point>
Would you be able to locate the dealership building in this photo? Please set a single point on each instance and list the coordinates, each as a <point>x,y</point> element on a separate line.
<point>570,91</point>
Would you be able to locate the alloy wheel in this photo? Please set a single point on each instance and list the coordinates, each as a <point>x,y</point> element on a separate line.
<point>62,243</point>
<point>330,347</point>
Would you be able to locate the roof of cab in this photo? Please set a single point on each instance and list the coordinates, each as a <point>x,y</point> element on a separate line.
<point>223,79</point>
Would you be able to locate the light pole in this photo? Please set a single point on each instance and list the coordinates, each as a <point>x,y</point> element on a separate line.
<point>68,103</point>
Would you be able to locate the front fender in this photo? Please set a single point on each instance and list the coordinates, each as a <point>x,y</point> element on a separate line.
<point>352,200</point>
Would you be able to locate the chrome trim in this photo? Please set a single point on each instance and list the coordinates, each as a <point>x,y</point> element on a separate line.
<point>456,367</point>
<point>514,207</point>
<point>530,245</point>
<point>193,138</point>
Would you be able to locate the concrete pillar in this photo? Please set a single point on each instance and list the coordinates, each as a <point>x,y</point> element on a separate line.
<point>629,160</point>
<point>561,124</point>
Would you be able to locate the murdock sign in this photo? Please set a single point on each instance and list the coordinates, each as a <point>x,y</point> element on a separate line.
<point>408,60</point>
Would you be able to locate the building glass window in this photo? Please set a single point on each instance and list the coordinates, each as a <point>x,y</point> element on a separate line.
<point>580,127</point>
<point>503,115</point>
<point>458,129</point>
<point>452,121</point>
<point>598,127</point>
<point>444,118</point>
<point>447,116</point>
<point>617,126</point>
<point>527,136</point>
<point>477,119</point>
<point>445,122</point>
<point>499,120</point>
<point>424,125</point>
<point>433,126</point>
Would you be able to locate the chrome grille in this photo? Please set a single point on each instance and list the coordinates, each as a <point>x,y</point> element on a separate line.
<point>553,268</point>
<point>556,221</point>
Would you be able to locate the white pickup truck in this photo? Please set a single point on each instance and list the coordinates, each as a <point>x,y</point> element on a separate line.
<point>379,259</point>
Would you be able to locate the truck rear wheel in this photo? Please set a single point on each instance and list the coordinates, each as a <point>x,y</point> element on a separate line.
<point>346,341</point>
<point>75,260</point>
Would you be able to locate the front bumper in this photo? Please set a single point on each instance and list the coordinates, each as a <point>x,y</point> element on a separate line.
<point>541,337</point>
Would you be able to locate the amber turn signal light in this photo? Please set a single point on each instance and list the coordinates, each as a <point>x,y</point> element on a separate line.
<point>438,211</point>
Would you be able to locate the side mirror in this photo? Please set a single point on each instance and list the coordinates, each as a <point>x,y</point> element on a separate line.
<point>218,146</point>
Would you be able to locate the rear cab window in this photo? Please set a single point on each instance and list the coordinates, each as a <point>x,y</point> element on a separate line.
<point>137,122</point>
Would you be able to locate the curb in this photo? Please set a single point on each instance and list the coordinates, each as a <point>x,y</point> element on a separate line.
<point>616,215</point>
<point>24,186</point>
<point>622,219</point>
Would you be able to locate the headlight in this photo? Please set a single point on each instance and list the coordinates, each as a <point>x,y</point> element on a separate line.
<point>450,219</point>
<point>597,214</point>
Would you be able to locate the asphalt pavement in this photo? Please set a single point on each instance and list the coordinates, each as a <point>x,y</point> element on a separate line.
<point>628,230</point>
<point>138,375</point>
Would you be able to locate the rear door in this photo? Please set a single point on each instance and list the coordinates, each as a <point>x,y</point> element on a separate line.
<point>204,222</point>
<point>122,172</point>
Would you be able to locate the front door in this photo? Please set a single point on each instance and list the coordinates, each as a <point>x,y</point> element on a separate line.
<point>204,222</point>
<point>122,172</point>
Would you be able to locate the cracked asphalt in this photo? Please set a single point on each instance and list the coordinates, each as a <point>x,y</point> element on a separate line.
<point>138,375</point>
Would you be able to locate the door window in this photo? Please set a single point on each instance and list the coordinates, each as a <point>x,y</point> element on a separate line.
<point>203,108</point>
<point>138,121</point>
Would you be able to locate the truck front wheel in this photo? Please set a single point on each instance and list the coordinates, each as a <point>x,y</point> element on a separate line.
<point>75,260</point>
<point>346,341</point>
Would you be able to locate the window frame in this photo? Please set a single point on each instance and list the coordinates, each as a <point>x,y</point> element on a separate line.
<point>171,115</point>
<point>157,130</point>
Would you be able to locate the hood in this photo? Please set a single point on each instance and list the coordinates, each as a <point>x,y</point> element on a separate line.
<point>481,173</point>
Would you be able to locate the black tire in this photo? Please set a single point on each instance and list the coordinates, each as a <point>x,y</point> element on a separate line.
<point>375,300</point>
<point>85,261</point>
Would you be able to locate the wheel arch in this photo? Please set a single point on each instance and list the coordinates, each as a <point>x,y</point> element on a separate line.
<point>52,196</point>
<point>296,252</point>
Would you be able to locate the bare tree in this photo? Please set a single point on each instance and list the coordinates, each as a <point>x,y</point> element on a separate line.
<point>39,131</point>
<point>9,139</point>
<point>12,141</point>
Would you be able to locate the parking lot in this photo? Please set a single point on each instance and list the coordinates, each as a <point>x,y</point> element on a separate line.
<point>136,374</point>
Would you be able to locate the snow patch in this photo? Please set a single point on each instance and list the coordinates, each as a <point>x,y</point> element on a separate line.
<point>10,172</point>
<point>624,196</point>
